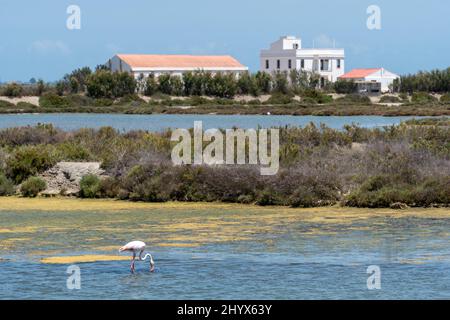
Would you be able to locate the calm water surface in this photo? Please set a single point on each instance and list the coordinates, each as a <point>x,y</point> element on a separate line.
<point>160,122</point>
<point>229,253</point>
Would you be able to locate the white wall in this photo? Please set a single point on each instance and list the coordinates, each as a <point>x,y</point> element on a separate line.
<point>180,73</point>
<point>282,50</point>
<point>385,77</point>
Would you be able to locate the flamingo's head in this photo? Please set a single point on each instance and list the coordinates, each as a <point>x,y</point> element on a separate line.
<point>152,266</point>
<point>122,249</point>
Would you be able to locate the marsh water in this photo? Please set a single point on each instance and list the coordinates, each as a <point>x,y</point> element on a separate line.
<point>221,251</point>
<point>125,122</point>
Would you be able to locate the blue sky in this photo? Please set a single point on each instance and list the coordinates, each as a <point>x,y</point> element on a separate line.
<point>35,42</point>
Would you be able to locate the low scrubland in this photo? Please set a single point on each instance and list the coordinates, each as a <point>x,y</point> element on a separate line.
<point>319,166</point>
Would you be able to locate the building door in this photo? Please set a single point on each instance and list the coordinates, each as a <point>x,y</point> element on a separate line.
<point>322,82</point>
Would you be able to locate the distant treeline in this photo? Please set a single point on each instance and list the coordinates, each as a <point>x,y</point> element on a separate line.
<point>102,83</point>
<point>425,81</point>
<point>394,166</point>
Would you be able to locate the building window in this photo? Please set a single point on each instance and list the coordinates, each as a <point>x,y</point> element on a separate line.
<point>296,46</point>
<point>302,64</point>
<point>278,64</point>
<point>339,63</point>
<point>290,64</point>
<point>267,64</point>
<point>324,65</point>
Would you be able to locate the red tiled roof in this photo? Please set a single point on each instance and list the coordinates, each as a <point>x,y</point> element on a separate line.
<point>179,61</point>
<point>359,73</point>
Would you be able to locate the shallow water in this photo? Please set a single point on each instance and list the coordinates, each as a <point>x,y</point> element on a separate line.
<point>223,251</point>
<point>160,122</point>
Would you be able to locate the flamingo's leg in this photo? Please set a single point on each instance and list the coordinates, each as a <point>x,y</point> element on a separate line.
<point>132,262</point>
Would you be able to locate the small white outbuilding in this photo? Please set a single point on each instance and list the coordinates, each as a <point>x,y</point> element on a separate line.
<point>378,75</point>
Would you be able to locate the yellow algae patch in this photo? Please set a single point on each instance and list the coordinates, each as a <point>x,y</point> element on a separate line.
<point>108,248</point>
<point>70,204</point>
<point>29,229</point>
<point>333,214</point>
<point>12,242</point>
<point>82,259</point>
<point>177,245</point>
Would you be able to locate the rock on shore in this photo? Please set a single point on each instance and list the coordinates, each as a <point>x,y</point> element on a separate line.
<point>64,177</point>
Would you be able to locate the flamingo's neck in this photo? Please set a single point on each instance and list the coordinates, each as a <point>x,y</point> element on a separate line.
<point>145,258</point>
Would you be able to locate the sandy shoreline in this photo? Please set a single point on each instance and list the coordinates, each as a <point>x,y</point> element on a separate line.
<point>73,204</point>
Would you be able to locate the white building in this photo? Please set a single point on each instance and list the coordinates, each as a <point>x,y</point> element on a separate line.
<point>377,75</point>
<point>173,64</point>
<point>287,54</point>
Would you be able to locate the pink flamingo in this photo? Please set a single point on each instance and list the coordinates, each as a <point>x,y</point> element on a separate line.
<point>138,246</point>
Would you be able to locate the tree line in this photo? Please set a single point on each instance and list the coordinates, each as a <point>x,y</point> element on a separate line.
<point>424,81</point>
<point>102,83</point>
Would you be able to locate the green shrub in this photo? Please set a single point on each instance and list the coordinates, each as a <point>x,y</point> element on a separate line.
<point>28,161</point>
<point>263,82</point>
<point>246,84</point>
<point>89,186</point>
<point>445,98</point>
<point>130,99</point>
<point>79,100</point>
<point>6,104</point>
<point>434,190</point>
<point>312,95</point>
<point>32,186</point>
<point>382,191</point>
<point>279,98</point>
<point>26,105</point>
<point>105,84</point>
<point>6,186</point>
<point>13,90</point>
<point>52,100</point>
<point>222,86</point>
<point>422,97</point>
<point>389,99</point>
<point>354,99</point>
<point>280,82</point>
<point>254,102</point>
<point>404,97</point>
<point>313,193</point>
<point>345,86</point>
<point>151,85</point>
<point>71,151</point>
<point>428,81</point>
<point>103,102</point>
<point>198,101</point>
<point>165,85</point>
<point>109,188</point>
<point>245,199</point>
<point>266,197</point>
